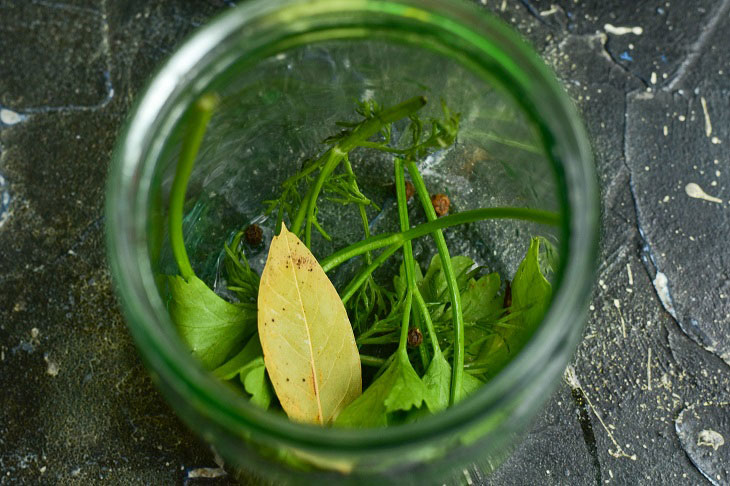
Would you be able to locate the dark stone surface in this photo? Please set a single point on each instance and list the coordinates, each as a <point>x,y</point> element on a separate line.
<point>648,392</point>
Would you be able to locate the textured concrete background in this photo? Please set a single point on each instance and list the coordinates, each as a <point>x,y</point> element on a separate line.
<point>646,399</point>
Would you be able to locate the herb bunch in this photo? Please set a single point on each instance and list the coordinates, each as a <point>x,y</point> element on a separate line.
<point>436,312</point>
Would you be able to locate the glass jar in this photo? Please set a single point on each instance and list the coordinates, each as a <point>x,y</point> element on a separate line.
<point>285,71</point>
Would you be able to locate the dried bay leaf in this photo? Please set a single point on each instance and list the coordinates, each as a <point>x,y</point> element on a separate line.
<point>308,342</point>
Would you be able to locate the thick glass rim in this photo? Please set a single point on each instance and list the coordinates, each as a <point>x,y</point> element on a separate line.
<point>457,29</point>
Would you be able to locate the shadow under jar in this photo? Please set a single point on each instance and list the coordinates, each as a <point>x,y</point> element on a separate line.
<point>285,72</point>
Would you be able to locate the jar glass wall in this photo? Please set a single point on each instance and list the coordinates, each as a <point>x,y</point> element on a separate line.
<point>286,71</point>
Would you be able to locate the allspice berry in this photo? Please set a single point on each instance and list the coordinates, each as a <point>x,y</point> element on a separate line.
<point>253,234</point>
<point>415,337</point>
<point>441,204</point>
<point>410,190</point>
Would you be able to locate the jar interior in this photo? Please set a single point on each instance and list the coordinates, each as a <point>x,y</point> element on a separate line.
<point>273,117</point>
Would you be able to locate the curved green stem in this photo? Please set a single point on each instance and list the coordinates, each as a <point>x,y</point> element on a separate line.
<point>334,155</point>
<point>405,322</point>
<point>408,262</point>
<point>457,370</point>
<point>423,309</point>
<point>200,116</point>
<point>397,239</point>
<point>363,275</point>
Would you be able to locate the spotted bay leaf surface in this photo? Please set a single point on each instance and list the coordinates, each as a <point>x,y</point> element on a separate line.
<point>308,342</point>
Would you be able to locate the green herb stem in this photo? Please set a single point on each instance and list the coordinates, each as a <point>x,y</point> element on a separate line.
<point>408,262</point>
<point>201,113</point>
<point>458,317</point>
<point>397,239</point>
<point>360,206</point>
<point>365,273</point>
<point>330,159</point>
<point>405,322</point>
<point>371,361</point>
<point>423,309</point>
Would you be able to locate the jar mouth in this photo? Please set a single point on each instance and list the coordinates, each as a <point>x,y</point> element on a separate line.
<point>261,28</point>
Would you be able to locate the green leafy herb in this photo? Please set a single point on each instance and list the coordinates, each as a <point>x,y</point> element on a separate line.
<point>209,325</point>
<point>462,314</point>
<point>398,389</point>
<point>248,364</point>
<point>438,382</point>
<point>531,295</point>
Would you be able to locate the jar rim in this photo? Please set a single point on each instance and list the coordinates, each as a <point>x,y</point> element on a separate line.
<point>487,44</point>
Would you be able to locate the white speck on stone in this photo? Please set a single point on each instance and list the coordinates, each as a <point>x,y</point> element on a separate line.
<point>653,78</point>
<point>666,199</point>
<point>682,118</point>
<point>206,472</point>
<point>666,131</point>
<point>631,275</point>
<point>52,368</point>
<point>708,123</point>
<point>661,285</point>
<point>695,191</point>
<point>710,438</point>
<point>716,140</point>
<point>9,117</point>
<point>34,333</point>
<point>622,30</point>
<point>617,305</point>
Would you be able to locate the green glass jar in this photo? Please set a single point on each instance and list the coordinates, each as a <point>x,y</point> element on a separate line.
<point>286,71</point>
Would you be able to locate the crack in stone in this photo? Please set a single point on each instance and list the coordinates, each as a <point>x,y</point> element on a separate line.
<point>584,420</point>
<point>697,47</point>
<point>658,278</point>
<point>534,12</point>
<point>106,50</point>
<point>605,39</point>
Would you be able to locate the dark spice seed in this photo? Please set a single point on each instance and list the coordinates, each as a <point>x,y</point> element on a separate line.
<point>415,337</point>
<point>410,190</point>
<point>441,204</point>
<point>254,234</point>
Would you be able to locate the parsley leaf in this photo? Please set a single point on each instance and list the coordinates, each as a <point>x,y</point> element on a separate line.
<point>531,296</point>
<point>398,389</point>
<point>249,365</point>
<point>433,287</point>
<point>438,382</point>
<point>210,326</point>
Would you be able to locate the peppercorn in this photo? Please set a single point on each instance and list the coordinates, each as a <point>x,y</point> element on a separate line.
<point>254,235</point>
<point>410,190</point>
<point>415,337</point>
<point>441,204</point>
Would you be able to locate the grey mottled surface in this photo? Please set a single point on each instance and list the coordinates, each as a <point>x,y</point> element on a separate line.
<point>646,399</point>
